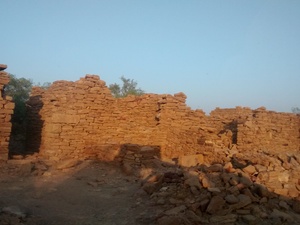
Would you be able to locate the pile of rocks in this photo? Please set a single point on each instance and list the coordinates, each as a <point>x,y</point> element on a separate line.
<point>6,110</point>
<point>243,189</point>
<point>133,157</point>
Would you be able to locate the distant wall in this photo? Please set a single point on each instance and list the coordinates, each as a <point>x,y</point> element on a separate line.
<point>6,110</point>
<point>259,129</point>
<point>270,130</point>
<point>82,119</point>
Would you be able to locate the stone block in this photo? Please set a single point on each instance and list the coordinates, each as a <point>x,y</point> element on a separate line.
<point>250,169</point>
<point>66,119</point>
<point>3,66</point>
<point>67,163</point>
<point>191,160</point>
<point>215,205</point>
<point>244,200</point>
<point>227,219</point>
<point>53,128</point>
<point>176,210</point>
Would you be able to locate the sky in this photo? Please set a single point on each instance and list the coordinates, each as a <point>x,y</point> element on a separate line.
<point>219,53</point>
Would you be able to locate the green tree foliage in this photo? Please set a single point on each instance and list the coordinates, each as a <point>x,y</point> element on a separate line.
<point>19,89</point>
<point>296,110</point>
<point>129,87</point>
<point>44,86</point>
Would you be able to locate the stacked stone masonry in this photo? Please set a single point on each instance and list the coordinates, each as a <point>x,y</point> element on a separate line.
<point>6,110</point>
<point>82,119</point>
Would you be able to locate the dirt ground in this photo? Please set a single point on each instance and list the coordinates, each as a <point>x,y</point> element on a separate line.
<point>89,193</point>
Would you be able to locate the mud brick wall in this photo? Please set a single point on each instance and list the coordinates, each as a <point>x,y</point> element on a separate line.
<point>82,119</point>
<point>6,110</point>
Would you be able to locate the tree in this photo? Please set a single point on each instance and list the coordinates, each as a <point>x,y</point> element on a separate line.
<point>44,86</point>
<point>19,89</point>
<point>129,87</point>
<point>296,110</point>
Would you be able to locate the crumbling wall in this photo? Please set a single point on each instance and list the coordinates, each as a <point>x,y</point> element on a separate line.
<point>82,119</point>
<point>6,110</point>
<point>257,129</point>
<point>223,125</point>
<point>182,126</point>
<point>268,130</point>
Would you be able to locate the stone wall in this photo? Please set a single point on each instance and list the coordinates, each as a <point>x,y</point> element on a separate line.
<point>258,129</point>
<point>6,110</point>
<point>82,119</point>
<point>265,130</point>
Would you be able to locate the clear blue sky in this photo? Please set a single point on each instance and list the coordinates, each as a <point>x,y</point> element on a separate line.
<point>219,53</point>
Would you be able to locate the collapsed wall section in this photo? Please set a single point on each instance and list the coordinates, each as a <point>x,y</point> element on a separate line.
<point>6,111</point>
<point>257,129</point>
<point>223,125</point>
<point>268,130</point>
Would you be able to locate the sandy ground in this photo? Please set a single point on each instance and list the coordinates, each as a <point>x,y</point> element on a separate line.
<point>90,193</point>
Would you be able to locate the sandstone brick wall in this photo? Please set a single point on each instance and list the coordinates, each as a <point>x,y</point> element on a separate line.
<point>82,119</point>
<point>6,110</point>
<point>269,130</point>
<point>260,129</point>
<point>181,125</point>
<point>223,124</point>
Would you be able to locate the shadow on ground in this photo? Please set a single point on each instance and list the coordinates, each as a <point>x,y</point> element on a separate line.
<point>139,188</point>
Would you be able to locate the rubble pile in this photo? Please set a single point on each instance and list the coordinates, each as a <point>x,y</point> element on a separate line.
<point>133,157</point>
<point>242,189</point>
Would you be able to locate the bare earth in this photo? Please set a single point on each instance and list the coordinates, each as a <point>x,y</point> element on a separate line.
<point>90,193</point>
<point>37,192</point>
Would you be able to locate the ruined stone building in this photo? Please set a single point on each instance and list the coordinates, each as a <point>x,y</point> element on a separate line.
<point>82,119</point>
